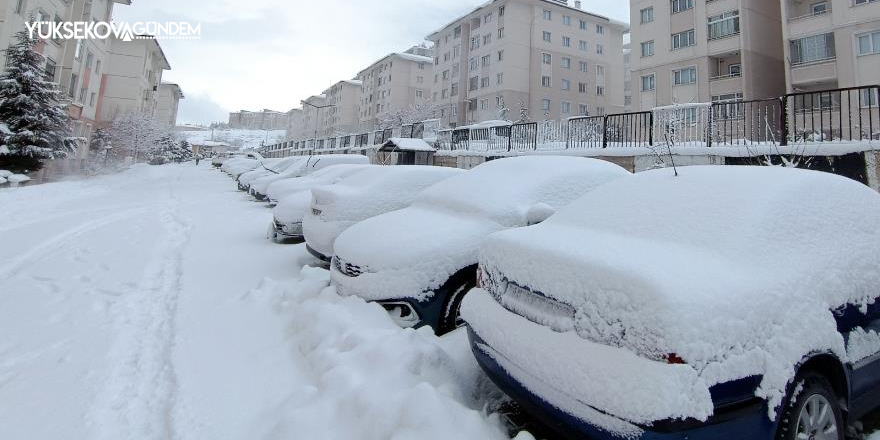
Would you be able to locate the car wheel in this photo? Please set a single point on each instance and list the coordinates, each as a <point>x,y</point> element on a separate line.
<point>813,413</point>
<point>454,291</point>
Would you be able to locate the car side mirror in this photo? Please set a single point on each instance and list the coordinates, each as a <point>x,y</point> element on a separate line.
<point>539,212</point>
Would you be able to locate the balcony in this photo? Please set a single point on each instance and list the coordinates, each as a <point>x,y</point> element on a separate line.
<point>815,72</point>
<point>809,23</point>
<point>725,73</point>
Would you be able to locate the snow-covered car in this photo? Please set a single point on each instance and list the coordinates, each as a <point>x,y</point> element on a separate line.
<point>260,187</point>
<point>423,281</point>
<point>18,179</point>
<point>371,192</point>
<point>724,303</point>
<point>268,167</point>
<point>238,166</point>
<point>287,215</point>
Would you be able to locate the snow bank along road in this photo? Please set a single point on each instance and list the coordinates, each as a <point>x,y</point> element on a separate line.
<point>148,305</point>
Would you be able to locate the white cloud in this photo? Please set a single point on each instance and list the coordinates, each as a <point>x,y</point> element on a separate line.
<point>269,54</point>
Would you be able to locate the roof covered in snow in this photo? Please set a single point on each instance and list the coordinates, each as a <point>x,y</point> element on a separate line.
<point>407,144</point>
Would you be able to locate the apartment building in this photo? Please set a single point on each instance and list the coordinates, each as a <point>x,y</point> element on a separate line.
<point>131,83</point>
<point>314,110</point>
<point>398,82</point>
<point>170,95</point>
<point>627,74</point>
<point>262,120</point>
<point>832,44</point>
<point>687,51</point>
<point>342,114</point>
<point>295,128</point>
<point>547,56</point>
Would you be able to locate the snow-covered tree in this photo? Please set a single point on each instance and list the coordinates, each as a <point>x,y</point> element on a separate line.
<point>411,115</point>
<point>167,149</point>
<point>136,134</point>
<point>523,113</point>
<point>31,107</point>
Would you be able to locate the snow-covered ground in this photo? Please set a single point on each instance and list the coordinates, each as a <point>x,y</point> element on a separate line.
<point>236,137</point>
<point>148,305</point>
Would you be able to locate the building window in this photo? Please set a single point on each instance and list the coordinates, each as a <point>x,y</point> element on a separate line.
<point>474,83</point>
<point>734,70</point>
<point>499,78</point>
<point>484,104</point>
<point>583,25</point>
<point>548,37</point>
<point>582,87</point>
<point>600,49</point>
<point>647,15</point>
<point>548,15</point>
<point>566,42</point>
<point>600,29</point>
<point>583,45</point>
<point>869,43</point>
<point>545,105</point>
<point>500,33</point>
<point>484,82</point>
<point>724,25</point>
<point>813,49</point>
<point>683,39</point>
<point>864,2</point>
<point>500,55</point>
<point>49,71</point>
<point>584,66</point>
<point>600,111</point>
<point>485,60</point>
<point>819,8</point>
<point>545,81</point>
<point>547,58</point>
<point>566,63</point>
<point>71,90</point>
<point>454,90</point>
<point>684,76</point>
<point>649,83</point>
<point>647,48</point>
<point>501,11</point>
<point>487,18</point>
<point>19,6</point>
<point>98,67</point>
<point>582,110</point>
<point>457,32</point>
<point>732,108</point>
<point>870,98</point>
<point>566,20</point>
<point>487,39</point>
<point>566,107</point>
<point>681,5</point>
<point>566,85</point>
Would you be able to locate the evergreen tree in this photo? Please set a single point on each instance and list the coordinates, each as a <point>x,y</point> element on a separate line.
<point>30,107</point>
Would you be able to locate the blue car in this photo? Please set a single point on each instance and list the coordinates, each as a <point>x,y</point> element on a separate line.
<point>722,303</point>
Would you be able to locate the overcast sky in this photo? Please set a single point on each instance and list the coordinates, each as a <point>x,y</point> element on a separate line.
<point>258,54</point>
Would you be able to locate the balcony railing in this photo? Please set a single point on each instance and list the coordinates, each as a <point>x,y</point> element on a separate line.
<point>810,15</point>
<point>728,76</point>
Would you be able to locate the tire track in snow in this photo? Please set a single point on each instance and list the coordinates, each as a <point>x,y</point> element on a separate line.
<point>139,397</point>
<point>48,246</point>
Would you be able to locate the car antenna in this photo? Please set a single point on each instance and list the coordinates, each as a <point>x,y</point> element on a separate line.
<point>666,132</point>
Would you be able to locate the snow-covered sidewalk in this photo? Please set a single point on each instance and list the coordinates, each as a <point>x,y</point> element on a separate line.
<point>148,305</point>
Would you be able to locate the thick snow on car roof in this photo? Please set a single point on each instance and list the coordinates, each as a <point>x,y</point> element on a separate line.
<point>753,258</point>
<point>505,189</point>
<point>278,190</point>
<point>386,178</point>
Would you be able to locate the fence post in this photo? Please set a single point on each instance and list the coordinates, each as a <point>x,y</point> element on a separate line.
<point>783,122</point>
<point>510,137</point>
<point>605,131</point>
<point>651,129</point>
<point>568,134</point>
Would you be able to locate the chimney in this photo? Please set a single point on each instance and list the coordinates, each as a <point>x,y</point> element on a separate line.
<point>577,4</point>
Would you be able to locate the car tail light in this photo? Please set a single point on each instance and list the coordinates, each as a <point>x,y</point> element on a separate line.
<point>674,359</point>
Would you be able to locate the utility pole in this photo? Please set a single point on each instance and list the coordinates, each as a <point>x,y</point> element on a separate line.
<point>318,109</point>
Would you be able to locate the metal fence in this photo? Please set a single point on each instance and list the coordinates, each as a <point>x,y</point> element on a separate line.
<point>838,115</point>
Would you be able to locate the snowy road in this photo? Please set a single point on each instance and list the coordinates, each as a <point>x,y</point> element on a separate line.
<point>148,305</point>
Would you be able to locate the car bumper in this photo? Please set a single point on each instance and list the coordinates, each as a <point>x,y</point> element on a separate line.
<point>258,196</point>
<point>736,422</point>
<point>289,230</point>
<point>324,259</point>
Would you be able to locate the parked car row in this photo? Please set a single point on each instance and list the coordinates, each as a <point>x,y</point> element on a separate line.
<point>705,303</point>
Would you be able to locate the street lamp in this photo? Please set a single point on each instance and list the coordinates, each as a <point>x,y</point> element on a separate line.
<point>317,114</point>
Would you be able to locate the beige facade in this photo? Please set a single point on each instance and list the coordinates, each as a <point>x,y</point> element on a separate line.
<point>686,51</point>
<point>131,84</point>
<point>548,57</point>
<point>314,112</point>
<point>399,82</point>
<point>295,127</point>
<point>831,44</point>
<point>342,115</point>
<point>169,99</point>
<point>262,120</point>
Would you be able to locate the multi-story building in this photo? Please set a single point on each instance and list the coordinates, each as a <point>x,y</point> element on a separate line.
<point>342,115</point>
<point>131,83</point>
<point>831,44</point>
<point>262,120</point>
<point>77,66</point>
<point>170,95</point>
<point>399,82</point>
<point>295,128</point>
<point>547,58</point>
<point>314,112</point>
<point>627,74</point>
<point>686,51</point>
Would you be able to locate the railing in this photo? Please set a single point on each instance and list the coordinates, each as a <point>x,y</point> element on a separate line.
<point>839,115</point>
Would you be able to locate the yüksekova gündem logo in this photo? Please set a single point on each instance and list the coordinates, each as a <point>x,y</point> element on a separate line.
<point>99,30</point>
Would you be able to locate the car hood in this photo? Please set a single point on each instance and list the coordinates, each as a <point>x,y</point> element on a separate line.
<point>292,208</point>
<point>438,244</point>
